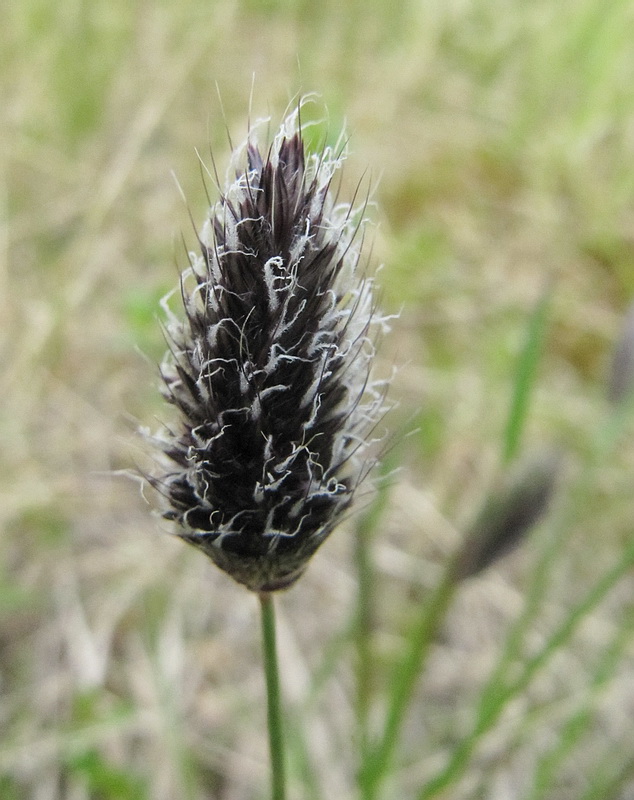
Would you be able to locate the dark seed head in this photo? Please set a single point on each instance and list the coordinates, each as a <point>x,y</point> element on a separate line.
<point>270,368</point>
<point>509,516</point>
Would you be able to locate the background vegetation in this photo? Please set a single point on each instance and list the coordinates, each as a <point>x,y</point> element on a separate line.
<point>500,137</point>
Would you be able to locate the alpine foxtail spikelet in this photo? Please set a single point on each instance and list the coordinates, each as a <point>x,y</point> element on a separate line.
<point>270,366</point>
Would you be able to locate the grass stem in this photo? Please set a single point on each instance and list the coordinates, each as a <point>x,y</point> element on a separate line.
<point>403,683</point>
<point>271,671</point>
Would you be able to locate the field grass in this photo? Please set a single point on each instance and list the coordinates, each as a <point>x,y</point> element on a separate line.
<point>499,139</point>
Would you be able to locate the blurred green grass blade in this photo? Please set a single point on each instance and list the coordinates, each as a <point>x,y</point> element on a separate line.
<point>106,780</point>
<point>525,374</point>
<point>578,723</point>
<point>554,541</point>
<point>495,701</point>
<point>357,631</point>
<point>364,617</point>
<point>420,637</point>
<point>402,684</point>
<point>334,649</point>
<point>510,651</point>
<point>609,779</point>
<point>576,616</point>
<point>299,751</point>
<point>9,789</point>
<point>300,757</point>
<point>332,653</point>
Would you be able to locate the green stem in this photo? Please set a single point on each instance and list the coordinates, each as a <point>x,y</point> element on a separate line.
<point>403,684</point>
<point>363,635</point>
<point>492,705</point>
<point>526,371</point>
<point>276,734</point>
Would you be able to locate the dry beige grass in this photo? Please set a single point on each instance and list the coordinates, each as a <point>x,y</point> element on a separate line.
<point>503,145</point>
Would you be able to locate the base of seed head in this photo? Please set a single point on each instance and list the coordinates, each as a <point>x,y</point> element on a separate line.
<point>268,573</point>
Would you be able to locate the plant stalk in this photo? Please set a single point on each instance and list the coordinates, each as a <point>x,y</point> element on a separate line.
<point>274,704</point>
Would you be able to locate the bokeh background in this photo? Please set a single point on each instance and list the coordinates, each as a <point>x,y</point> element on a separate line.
<point>498,137</point>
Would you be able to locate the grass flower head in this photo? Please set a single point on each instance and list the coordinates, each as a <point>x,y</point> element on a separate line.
<point>269,367</point>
